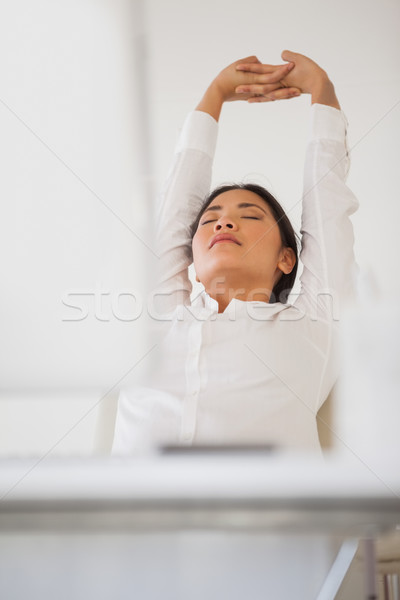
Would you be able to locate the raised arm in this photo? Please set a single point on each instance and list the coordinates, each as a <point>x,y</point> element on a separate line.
<point>190,177</point>
<point>327,234</point>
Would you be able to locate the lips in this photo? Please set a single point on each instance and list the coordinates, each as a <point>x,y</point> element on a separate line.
<point>224,237</point>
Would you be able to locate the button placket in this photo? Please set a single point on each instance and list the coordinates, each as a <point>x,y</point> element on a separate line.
<point>193,382</point>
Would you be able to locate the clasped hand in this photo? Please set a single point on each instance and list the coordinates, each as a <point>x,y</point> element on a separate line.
<point>249,79</point>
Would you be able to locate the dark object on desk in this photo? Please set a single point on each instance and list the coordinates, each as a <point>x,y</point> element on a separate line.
<point>218,449</point>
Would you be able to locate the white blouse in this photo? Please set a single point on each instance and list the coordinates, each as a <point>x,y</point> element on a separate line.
<point>256,373</point>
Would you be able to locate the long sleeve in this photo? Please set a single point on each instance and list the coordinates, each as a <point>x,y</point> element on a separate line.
<point>327,254</point>
<point>187,186</point>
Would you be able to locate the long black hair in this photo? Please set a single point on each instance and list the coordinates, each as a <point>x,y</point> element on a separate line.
<point>284,286</point>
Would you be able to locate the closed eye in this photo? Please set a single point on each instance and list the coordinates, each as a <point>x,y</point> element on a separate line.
<point>255,218</point>
<point>209,221</point>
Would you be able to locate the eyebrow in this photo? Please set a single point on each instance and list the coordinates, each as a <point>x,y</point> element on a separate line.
<point>241,205</point>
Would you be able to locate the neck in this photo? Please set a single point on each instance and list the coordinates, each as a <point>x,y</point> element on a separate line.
<point>224,297</point>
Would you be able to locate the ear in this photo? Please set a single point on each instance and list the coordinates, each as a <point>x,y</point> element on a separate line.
<point>287,261</point>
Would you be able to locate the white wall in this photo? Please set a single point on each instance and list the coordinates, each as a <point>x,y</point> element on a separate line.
<point>73,189</point>
<point>77,90</point>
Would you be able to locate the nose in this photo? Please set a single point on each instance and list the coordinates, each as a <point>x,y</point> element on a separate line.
<point>225,222</point>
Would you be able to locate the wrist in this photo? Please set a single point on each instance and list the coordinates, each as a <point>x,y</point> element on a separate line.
<point>323,92</point>
<point>212,101</point>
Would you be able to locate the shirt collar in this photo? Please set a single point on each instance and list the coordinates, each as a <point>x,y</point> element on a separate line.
<point>236,306</point>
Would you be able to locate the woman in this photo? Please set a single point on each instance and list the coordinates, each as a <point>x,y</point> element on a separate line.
<point>241,365</point>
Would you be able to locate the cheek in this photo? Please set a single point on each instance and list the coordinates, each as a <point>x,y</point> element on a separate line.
<point>194,243</point>
<point>196,247</point>
<point>269,243</point>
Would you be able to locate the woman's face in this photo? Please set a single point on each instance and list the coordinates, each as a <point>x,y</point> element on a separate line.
<point>238,242</point>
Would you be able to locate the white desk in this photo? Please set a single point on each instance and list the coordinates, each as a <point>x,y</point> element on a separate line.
<point>188,527</point>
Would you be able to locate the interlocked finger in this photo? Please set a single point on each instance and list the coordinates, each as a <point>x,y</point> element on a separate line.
<point>260,67</point>
<point>256,88</point>
<point>265,73</point>
<point>265,89</point>
<point>277,94</point>
<point>266,78</point>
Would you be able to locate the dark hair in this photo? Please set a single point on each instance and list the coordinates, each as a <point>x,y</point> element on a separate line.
<point>283,287</point>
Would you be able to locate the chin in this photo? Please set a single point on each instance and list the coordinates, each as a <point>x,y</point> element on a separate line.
<point>221,274</point>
